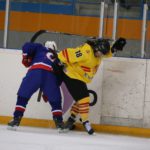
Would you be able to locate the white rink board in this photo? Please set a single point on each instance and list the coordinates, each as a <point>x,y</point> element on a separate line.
<point>123,92</point>
<point>147,98</point>
<point>96,85</point>
<point>147,95</point>
<point>122,86</point>
<point>12,72</point>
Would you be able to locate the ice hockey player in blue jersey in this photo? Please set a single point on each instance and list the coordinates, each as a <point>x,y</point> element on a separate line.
<point>41,74</point>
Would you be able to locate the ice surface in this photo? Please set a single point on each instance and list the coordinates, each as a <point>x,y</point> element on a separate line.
<point>27,138</point>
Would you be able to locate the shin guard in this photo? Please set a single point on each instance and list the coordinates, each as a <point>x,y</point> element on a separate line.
<point>83,106</point>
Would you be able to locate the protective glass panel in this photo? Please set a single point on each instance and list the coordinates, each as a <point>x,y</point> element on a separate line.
<point>29,16</point>
<point>130,27</point>
<point>79,17</point>
<point>147,49</point>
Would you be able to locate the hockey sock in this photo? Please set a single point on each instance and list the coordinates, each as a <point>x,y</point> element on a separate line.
<point>83,106</point>
<point>58,119</point>
<point>57,113</point>
<point>20,106</point>
<point>74,110</point>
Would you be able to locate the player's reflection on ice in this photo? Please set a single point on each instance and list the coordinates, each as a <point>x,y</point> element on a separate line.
<point>26,138</point>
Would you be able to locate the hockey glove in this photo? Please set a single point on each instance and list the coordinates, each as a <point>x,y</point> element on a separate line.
<point>118,45</point>
<point>26,61</point>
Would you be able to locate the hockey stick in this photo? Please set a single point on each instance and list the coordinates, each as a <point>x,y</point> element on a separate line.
<point>33,39</point>
<point>94,97</point>
<point>37,34</point>
<point>39,96</point>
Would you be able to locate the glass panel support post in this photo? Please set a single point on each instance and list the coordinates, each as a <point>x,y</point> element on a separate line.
<point>7,10</point>
<point>102,10</point>
<point>144,27</point>
<point>115,19</point>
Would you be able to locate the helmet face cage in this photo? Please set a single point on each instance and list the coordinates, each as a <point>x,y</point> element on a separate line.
<point>102,45</point>
<point>51,45</point>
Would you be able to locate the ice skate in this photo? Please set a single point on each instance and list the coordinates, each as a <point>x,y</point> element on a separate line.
<point>60,127</point>
<point>59,124</point>
<point>14,124</point>
<point>88,128</point>
<point>69,125</point>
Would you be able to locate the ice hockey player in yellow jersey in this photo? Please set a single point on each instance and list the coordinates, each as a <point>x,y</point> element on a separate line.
<point>80,66</point>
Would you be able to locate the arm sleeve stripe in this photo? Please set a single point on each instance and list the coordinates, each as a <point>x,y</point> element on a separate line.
<point>65,54</point>
<point>86,69</point>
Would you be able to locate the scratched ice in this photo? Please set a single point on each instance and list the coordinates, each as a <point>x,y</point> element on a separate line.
<point>27,138</point>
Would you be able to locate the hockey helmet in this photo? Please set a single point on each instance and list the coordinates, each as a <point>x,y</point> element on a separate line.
<point>101,45</point>
<point>51,45</point>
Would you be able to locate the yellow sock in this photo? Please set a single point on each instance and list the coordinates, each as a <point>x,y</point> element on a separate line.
<point>74,110</point>
<point>83,106</point>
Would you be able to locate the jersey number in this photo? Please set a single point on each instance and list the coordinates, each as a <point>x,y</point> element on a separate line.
<point>78,54</point>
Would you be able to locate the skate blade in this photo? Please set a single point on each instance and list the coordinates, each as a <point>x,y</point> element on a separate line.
<point>92,133</point>
<point>12,128</point>
<point>62,130</point>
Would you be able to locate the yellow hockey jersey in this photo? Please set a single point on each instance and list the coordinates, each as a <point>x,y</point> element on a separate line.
<point>80,63</point>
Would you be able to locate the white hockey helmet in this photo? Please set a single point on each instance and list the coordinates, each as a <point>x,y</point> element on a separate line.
<point>51,45</point>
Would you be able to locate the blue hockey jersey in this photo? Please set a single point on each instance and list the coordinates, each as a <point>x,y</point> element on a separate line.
<point>41,57</point>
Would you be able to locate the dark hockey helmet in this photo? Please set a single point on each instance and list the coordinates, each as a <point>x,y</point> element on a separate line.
<point>101,45</point>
